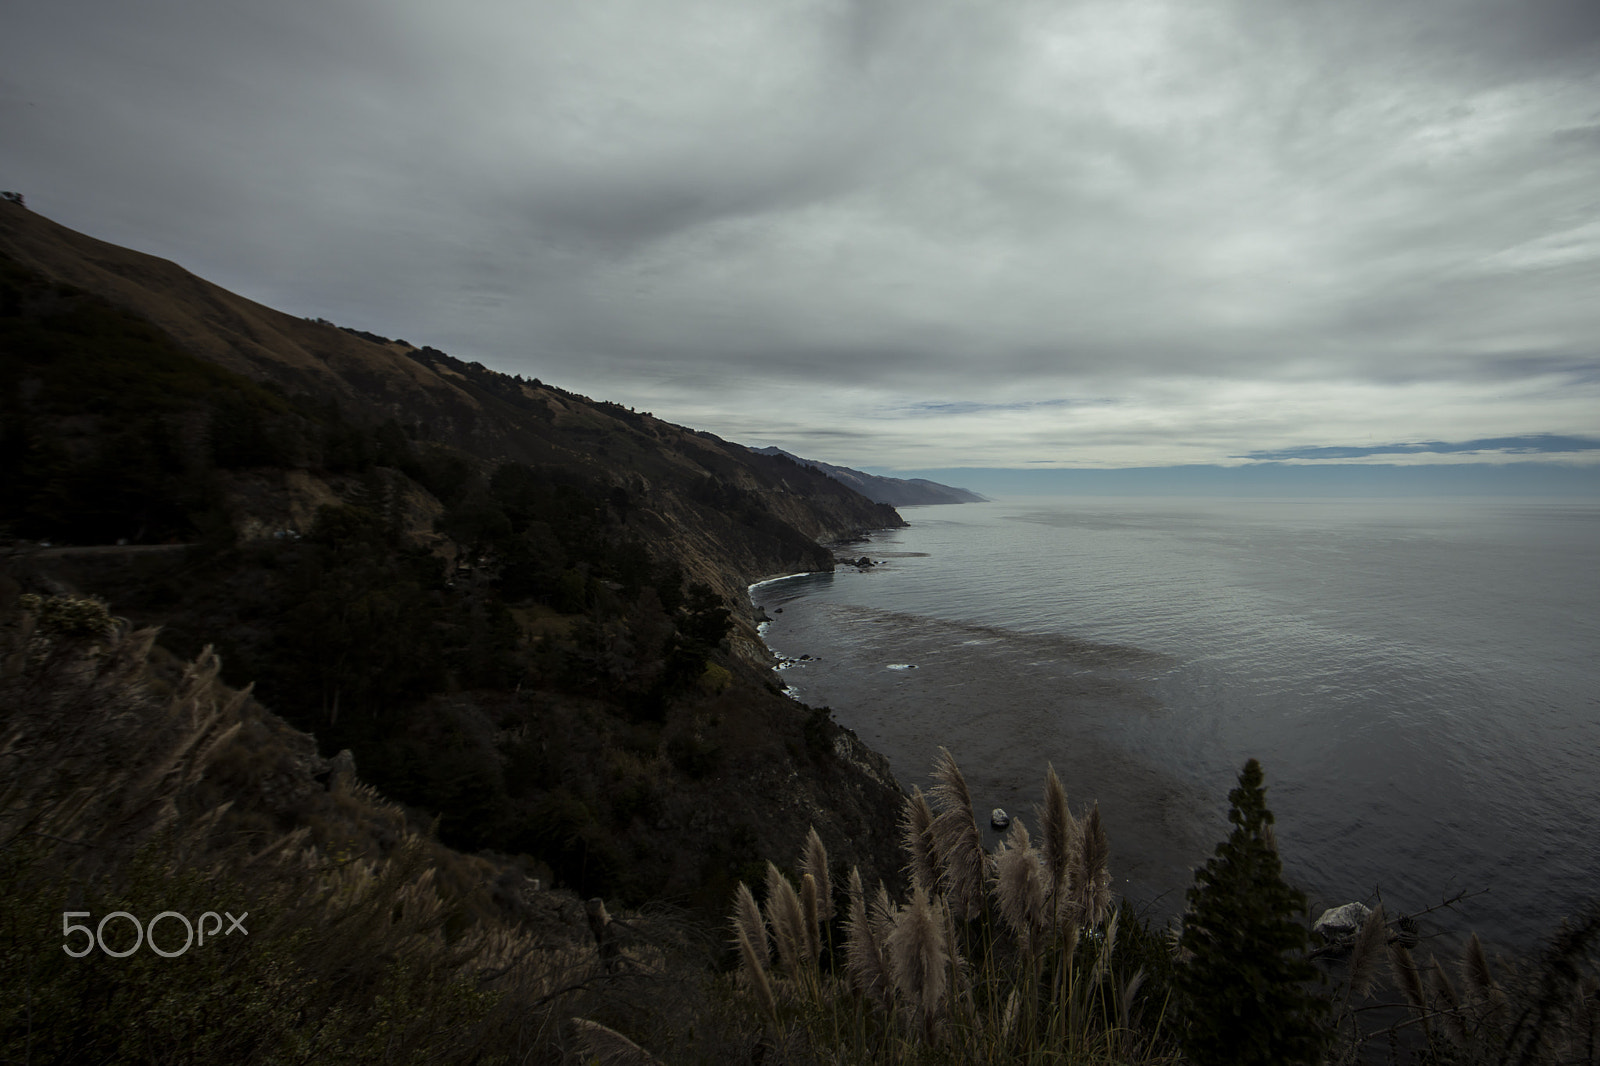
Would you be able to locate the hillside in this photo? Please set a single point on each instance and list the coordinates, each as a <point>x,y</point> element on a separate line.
<point>894,491</point>
<point>522,610</point>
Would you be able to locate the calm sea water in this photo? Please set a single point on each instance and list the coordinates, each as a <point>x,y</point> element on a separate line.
<point>1419,678</point>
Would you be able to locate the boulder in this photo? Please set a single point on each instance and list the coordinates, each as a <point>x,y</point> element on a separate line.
<point>1338,926</point>
<point>999,818</point>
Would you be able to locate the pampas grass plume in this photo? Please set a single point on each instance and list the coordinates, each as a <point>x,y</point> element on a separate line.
<point>917,836</point>
<point>747,920</point>
<point>1102,959</point>
<point>1475,973</point>
<point>1406,976</point>
<point>1091,877</point>
<point>1060,831</point>
<point>756,972</point>
<point>815,863</point>
<point>1366,951</point>
<point>956,837</point>
<point>919,960</point>
<point>810,918</point>
<point>1444,994</point>
<point>1019,887</point>
<point>864,957</point>
<point>786,920</point>
<point>610,1047</point>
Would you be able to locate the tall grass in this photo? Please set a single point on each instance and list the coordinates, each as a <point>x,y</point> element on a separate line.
<point>1006,956</point>
<point>366,940</point>
<point>1538,1010</point>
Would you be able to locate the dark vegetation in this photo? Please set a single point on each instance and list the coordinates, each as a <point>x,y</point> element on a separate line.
<point>1247,988</point>
<point>504,646</point>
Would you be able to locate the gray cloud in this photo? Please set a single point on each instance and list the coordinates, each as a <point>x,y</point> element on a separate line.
<point>1536,444</point>
<point>903,231</point>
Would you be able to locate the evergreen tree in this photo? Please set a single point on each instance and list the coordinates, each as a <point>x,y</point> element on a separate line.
<point>1245,984</point>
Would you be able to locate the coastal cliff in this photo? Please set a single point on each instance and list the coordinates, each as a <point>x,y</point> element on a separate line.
<point>524,611</point>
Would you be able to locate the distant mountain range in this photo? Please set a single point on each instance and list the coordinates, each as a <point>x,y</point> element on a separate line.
<point>894,491</point>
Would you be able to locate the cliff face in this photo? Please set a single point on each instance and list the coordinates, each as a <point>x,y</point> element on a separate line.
<point>485,586</point>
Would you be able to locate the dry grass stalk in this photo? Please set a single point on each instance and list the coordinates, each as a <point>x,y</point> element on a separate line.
<point>1008,1017</point>
<point>917,837</point>
<point>881,912</point>
<point>609,1047</point>
<point>960,978</point>
<point>814,861</point>
<point>1020,890</point>
<point>1444,995</point>
<point>755,972</point>
<point>787,921</point>
<point>1409,980</point>
<point>1108,946</point>
<point>1091,874</point>
<point>1475,973</point>
<point>919,960</point>
<point>1366,951</point>
<point>1060,831</point>
<point>865,962</point>
<point>809,913</point>
<point>957,840</point>
<point>1126,996</point>
<point>747,920</point>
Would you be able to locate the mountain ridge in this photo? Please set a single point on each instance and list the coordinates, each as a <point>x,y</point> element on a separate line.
<point>524,611</point>
<point>894,491</point>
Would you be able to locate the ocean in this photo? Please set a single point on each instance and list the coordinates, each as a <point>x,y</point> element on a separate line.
<point>1420,679</point>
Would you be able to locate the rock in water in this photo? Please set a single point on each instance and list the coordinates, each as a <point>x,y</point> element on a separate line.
<point>1339,925</point>
<point>999,818</point>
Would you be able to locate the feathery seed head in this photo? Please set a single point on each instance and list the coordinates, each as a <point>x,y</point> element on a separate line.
<point>957,840</point>
<point>609,1047</point>
<point>1366,951</point>
<point>1020,889</point>
<point>1091,875</point>
<point>786,921</point>
<point>919,960</point>
<point>747,920</point>
<point>917,835</point>
<point>1448,1002</point>
<point>814,861</point>
<point>1060,830</point>
<point>1406,976</point>
<point>808,910</point>
<point>865,961</point>
<point>755,972</point>
<point>1108,946</point>
<point>1475,973</point>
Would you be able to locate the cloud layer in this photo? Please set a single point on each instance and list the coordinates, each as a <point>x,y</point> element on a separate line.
<point>886,233</point>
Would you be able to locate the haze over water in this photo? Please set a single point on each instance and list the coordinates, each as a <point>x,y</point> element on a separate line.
<point>1418,678</point>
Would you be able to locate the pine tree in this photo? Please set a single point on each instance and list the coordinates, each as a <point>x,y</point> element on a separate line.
<point>1246,982</point>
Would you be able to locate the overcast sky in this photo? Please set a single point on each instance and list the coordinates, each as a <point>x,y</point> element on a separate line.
<point>886,233</point>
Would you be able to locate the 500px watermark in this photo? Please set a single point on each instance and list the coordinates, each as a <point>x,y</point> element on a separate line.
<point>97,935</point>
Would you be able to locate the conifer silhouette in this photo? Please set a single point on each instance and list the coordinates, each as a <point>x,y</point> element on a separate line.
<point>1246,976</point>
